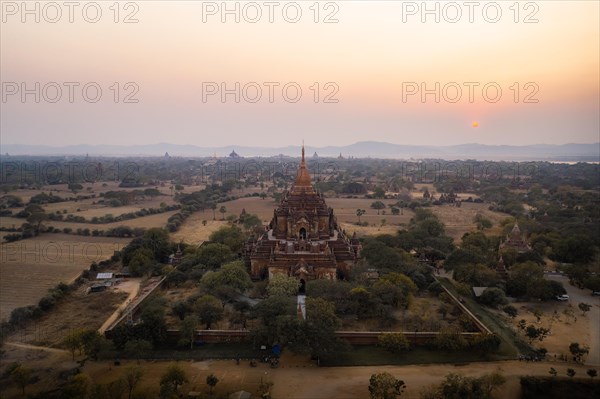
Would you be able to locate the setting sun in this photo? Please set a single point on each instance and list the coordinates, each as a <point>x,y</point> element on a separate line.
<point>475,124</point>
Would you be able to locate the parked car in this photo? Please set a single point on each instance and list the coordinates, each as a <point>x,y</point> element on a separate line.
<point>563,297</point>
<point>596,293</point>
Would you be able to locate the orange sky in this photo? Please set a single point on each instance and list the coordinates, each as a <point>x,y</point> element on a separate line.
<point>369,55</point>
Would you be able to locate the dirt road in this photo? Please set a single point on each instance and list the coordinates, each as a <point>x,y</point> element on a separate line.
<point>132,286</point>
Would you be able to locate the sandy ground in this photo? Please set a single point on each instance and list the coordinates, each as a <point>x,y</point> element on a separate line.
<point>297,378</point>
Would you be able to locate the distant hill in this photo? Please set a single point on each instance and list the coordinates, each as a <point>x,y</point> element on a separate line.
<point>363,149</point>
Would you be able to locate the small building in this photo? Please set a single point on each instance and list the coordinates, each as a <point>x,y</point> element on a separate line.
<point>97,288</point>
<point>124,273</point>
<point>477,291</point>
<point>104,276</point>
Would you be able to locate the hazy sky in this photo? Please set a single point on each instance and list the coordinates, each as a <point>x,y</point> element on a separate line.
<point>375,61</point>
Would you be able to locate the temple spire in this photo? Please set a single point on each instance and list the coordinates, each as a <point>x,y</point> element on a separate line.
<point>303,177</point>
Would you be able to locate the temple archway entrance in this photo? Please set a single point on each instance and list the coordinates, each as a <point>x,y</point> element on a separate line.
<point>302,234</point>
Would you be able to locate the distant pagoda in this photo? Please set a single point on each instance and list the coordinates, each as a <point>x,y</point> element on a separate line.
<point>515,241</point>
<point>501,269</point>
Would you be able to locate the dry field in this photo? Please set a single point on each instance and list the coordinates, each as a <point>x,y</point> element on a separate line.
<point>460,220</point>
<point>28,268</point>
<point>88,209</point>
<point>193,232</point>
<point>564,330</point>
<point>156,220</point>
<point>75,311</point>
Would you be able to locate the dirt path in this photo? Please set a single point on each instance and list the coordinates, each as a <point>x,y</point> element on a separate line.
<point>41,348</point>
<point>132,286</point>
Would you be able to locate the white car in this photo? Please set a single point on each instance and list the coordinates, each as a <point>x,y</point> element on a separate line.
<point>563,297</point>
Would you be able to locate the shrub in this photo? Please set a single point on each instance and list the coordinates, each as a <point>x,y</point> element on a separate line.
<point>47,303</point>
<point>394,342</point>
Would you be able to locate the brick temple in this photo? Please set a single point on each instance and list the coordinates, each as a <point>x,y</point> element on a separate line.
<point>515,241</point>
<point>303,239</point>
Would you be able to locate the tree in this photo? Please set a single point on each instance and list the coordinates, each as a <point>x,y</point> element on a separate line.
<point>251,221</point>
<point>74,187</point>
<point>281,284</point>
<point>95,345</point>
<point>493,297</point>
<point>378,205</point>
<point>213,255</point>
<point>450,339</point>
<point>553,372</point>
<point>180,309</point>
<point>592,373</point>
<point>73,341</point>
<point>476,275</point>
<point>379,192</point>
<point>174,377</point>
<point>78,387</point>
<point>571,372</point>
<point>209,309</point>
<point>115,389</point>
<point>534,333</point>
<point>359,213</point>
<point>232,275</point>
<point>578,351</point>
<point>36,218</point>
<point>232,236</point>
<point>223,211</point>
<point>510,311</point>
<point>21,376</point>
<point>137,348</point>
<point>321,324</point>
<point>394,342</point>
<point>584,307</point>
<point>385,386</point>
<point>457,386</point>
<point>132,377</point>
<point>141,262</point>
<point>482,222</point>
<point>211,381</point>
<point>187,330</point>
<point>522,277</point>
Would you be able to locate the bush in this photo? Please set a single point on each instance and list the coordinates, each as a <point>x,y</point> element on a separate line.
<point>394,342</point>
<point>435,288</point>
<point>47,303</point>
<point>493,297</point>
<point>510,310</point>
